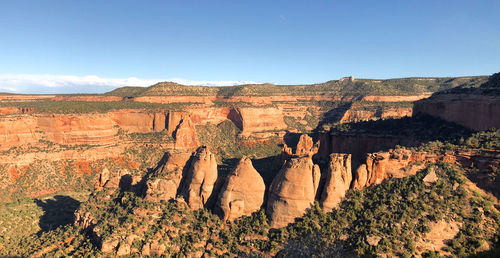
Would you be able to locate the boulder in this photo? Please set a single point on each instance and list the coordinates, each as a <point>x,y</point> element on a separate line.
<point>200,178</point>
<point>338,181</point>
<point>431,176</point>
<point>185,135</point>
<point>243,191</point>
<point>292,191</point>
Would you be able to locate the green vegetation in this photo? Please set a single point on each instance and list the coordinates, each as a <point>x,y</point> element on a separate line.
<point>361,87</point>
<point>412,129</point>
<point>380,106</point>
<point>490,88</point>
<point>398,215</point>
<point>127,91</point>
<point>483,141</point>
<point>77,107</point>
<point>223,139</point>
<point>22,222</point>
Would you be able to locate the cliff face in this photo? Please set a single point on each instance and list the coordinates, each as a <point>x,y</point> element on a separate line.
<point>259,119</point>
<point>353,115</point>
<point>477,112</point>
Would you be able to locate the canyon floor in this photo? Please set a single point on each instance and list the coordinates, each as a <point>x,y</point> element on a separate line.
<point>354,167</point>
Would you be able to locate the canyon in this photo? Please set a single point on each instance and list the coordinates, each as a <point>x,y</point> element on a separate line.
<point>235,156</point>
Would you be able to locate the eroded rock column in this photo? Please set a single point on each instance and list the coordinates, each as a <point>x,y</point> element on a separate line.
<point>243,191</point>
<point>292,191</point>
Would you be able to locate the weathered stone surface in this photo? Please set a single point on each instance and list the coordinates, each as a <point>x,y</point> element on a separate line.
<point>431,177</point>
<point>304,146</point>
<point>109,245</point>
<point>361,177</point>
<point>166,178</point>
<point>185,135</point>
<point>292,191</point>
<point>103,178</point>
<point>200,178</point>
<point>123,249</point>
<point>477,112</point>
<point>251,120</point>
<point>338,180</point>
<point>160,189</point>
<point>393,164</point>
<point>243,192</point>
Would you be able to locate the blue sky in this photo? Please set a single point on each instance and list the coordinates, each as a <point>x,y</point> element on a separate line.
<point>82,46</point>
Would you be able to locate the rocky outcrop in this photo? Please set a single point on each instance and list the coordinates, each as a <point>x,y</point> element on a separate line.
<point>477,112</point>
<point>200,178</point>
<point>338,180</point>
<point>355,115</point>
<point>185,135</point>
<point>292,191</point>
<point>77,129</point>
<point>166,178</point>
<point>139,121</point>
<point>304,146</point>
<point>243,191</point>
<point>258,120</point>
<point>393,164</point>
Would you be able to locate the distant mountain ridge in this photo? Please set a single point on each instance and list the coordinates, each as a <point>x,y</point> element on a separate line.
<point>345,86</point>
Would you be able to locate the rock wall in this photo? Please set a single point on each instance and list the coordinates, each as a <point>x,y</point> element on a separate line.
<point>357,145</point>
<point>477,112</point>
<point>261,119</point>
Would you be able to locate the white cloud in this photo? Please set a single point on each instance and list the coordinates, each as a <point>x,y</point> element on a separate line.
<point>48,83</point>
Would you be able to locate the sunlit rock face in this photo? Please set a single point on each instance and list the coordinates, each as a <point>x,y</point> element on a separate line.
<point>243,191</point>
<point>200,178</point>
<point>338,180</point>
<point>292,191</point>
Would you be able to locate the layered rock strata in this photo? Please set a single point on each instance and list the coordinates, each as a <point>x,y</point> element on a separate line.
<point>477,112</point>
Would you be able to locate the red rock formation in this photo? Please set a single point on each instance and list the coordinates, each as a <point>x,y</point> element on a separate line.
<point>338,181</point>
<point>17,131</point>
<point>200,178</point>
<point>353,115</point>
<point>259,119</point>
<point>166,178</point>
<point>185,135</point>
<point>393,164</point>
<point>77,129</point>
<point>292,191</point>
<point>477,112</point>
<point>304,146</point>
<point>138,121</point>
<point>243,191</point>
